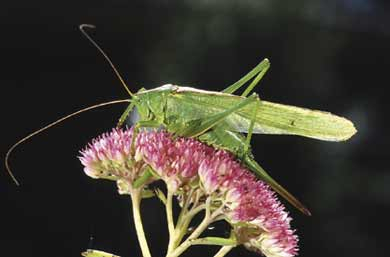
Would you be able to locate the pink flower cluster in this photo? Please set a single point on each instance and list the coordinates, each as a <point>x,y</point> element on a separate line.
<point>175,161</point>
<point>251,201</point>
<point>179,161</point>
<point>107,155</point>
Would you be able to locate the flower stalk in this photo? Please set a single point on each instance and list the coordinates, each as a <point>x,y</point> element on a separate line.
<point>136,204</point>
<point>209,218</point>
<point>224,250</point>
<point>170,222</point>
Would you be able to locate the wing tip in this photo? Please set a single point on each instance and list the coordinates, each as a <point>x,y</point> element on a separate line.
<point>348,131</point>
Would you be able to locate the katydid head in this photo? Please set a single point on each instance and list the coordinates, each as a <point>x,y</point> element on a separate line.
<point>152,103</point>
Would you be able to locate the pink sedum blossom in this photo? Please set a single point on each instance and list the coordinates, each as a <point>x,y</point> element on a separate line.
<point>175,160</point>
<point>249,205</point>
<point>108,155</point>
<point>252,202</point>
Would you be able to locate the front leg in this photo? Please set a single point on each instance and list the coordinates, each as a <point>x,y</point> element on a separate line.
<point>143,124</point>
<point>124,115</point>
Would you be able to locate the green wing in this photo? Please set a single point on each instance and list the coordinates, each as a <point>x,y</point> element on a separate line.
<point>271,118</point>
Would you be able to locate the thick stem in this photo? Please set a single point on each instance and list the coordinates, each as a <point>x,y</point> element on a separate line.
<point>214,240</point>
<point>184,209</point>
<point>170,222</point>
<point>182,228</point>
<point>185,219</point>
<point>169,212</point>
<point>187,243</point>
<point>209,218</point>
<point>224,250</point>
<point>136,203</point>
<point>181,225</point>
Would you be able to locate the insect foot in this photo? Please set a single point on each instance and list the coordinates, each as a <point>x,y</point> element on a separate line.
<point>203,179</point>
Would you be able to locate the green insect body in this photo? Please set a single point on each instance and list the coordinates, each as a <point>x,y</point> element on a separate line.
<point>219,119</point>
<point>97,253</point>
<point>179,106</point>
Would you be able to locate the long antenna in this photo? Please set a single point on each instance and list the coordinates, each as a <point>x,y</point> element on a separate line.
<point>51,125</point>
<point>82,26</point>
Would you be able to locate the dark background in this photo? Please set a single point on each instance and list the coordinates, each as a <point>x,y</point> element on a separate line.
<point>329,55</point>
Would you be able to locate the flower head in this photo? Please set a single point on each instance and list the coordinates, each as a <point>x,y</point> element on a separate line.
<point>279,242</point>
<point>175,160</point>
<point>258,218</point>
<point>108,155</point>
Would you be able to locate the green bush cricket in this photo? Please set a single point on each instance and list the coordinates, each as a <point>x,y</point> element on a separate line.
<point>220,118</point>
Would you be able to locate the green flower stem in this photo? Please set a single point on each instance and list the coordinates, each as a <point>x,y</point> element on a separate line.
<point>179,231</point>
<point>214,241</point>
<point>195,211</point>
<point>209,218</point>
<point>184,209</point>
<point>184,221</point>
<point>224,250</point>
<point>187,243</point>
<point>185,217</point>
<point>170,222</point>
<point>136,203</point>
<point>169,212</point>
